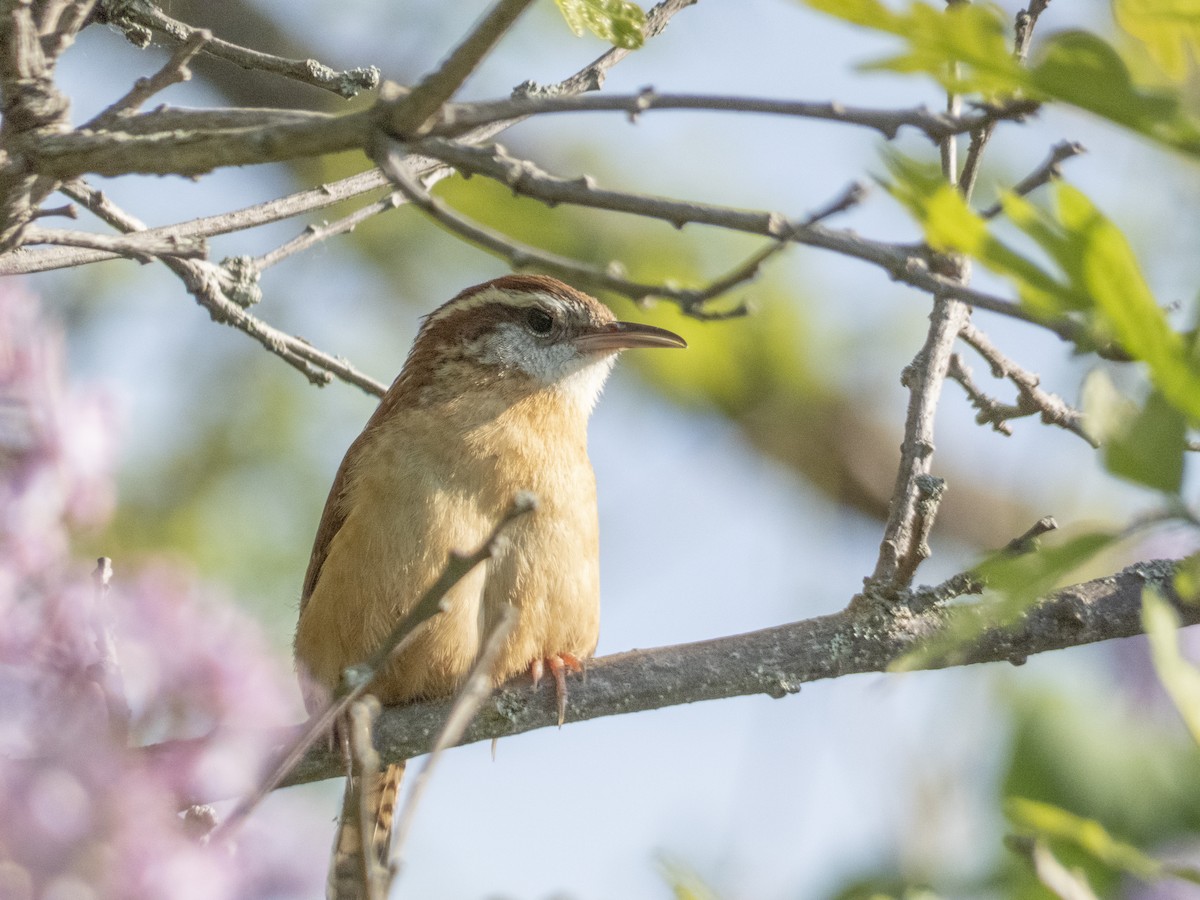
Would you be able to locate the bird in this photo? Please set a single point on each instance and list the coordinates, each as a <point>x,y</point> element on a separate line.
<point>492,401</point>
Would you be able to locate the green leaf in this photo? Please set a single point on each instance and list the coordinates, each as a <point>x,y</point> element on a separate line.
<point>1169,30</point>
<point>684,882</point>
<point>966,47</point>
<point>1106,411</point>
<point>1052,822</point>
<point>1014,584</point>
<point>1080,68</point>
<point>1150,449</point>
<point>619,22</point>
<point>1179,677</point>
<point>1097,272</point>
<point>1058,879</point>
<point>968,34</point>
<point>1110,276</point>
<point>1187,579</point>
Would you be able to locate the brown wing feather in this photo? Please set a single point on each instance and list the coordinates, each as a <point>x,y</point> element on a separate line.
<point>334,514</point>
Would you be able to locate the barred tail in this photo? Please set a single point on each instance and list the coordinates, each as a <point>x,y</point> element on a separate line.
<point>350,870</point>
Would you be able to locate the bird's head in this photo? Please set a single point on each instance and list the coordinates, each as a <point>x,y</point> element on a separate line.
<point>528,332</point>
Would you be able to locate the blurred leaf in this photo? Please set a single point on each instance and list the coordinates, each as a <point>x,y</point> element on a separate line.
<point>1151,449</point>
<point>938,37</point>
<point>1052,822</point>
<point>1107,412</point>
<point>966,48</point>
<point>1179,677</point>
<point>619,22</point>
<point>685,884</point>
<point>1187,579</point>
<point>1014,584</point>
<point>1024,578</point>
<point>1110,276</point>
<point>1064,883</point>
<point>1080,68</point>
<point>1098,749</point>
<point>1169,29</point>
<point>1145,444</point>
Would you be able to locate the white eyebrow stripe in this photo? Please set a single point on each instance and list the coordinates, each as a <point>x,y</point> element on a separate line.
<point>494,295</point>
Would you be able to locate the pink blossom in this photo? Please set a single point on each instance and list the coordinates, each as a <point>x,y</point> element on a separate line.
<point>88,673</point>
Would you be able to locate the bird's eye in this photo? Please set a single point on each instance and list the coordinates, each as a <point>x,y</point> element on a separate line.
<point>539,321</point>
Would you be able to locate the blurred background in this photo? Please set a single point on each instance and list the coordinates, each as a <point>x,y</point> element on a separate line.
<point>742,483</point>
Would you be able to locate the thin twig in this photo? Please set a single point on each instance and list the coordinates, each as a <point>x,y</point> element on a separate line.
<point>904,263</point>
<point>174,71</point>
<point>107,671</point>
<point>209,285</point>
<point>969,581</point>
<point>917,494</point>
<point>314,234</point>
<point>852,195</point>
<point>591,77</point>
<point>1031,398</point>
<point>140,14</point>
<point>410,113</point>
<point>522,256</point>
<point>459,118</point>
<point>990,410</point>
<point>691,303</point>
<point>265,213</point>
<point>982,135</point>
<point>1049,170</point>
<point>357,679</point>
<point>67,211</point>
<point>1026,21</point>
<point>475,690</point>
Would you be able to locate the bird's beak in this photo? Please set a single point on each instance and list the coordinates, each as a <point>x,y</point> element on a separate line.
<point>624,335</point>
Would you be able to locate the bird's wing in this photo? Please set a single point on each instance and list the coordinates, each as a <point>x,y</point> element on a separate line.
<point>334,514</point>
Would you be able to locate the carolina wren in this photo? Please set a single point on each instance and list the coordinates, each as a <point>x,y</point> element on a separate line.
<point>493,399</point>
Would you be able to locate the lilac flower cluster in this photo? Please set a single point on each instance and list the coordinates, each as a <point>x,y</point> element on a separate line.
<point>90,670</point>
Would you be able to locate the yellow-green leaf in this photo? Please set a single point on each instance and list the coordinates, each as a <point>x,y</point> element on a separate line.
<point>1169,29</point>
<point>1014,584</point>
<point>1179,677</point>
<point>619,22</point>
<point>1047,821</point>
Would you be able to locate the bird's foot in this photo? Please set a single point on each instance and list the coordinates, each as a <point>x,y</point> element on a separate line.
<point>559,663</point>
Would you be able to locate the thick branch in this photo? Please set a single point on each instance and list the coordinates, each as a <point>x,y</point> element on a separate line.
<point>205,145</point>
<point>774,661</point>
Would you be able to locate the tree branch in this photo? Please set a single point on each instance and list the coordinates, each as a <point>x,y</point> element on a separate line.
<point>408,115</point>
<point>137,18</point>
<point>905,263</point>
<point>1031,399</point>
<point>138,246</point>
<point>774,661</point>
<point>460,118</point>
<point>174,71</point>
<point>391,159</point>
<point>1049,170</point>
<point>215,286</point>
